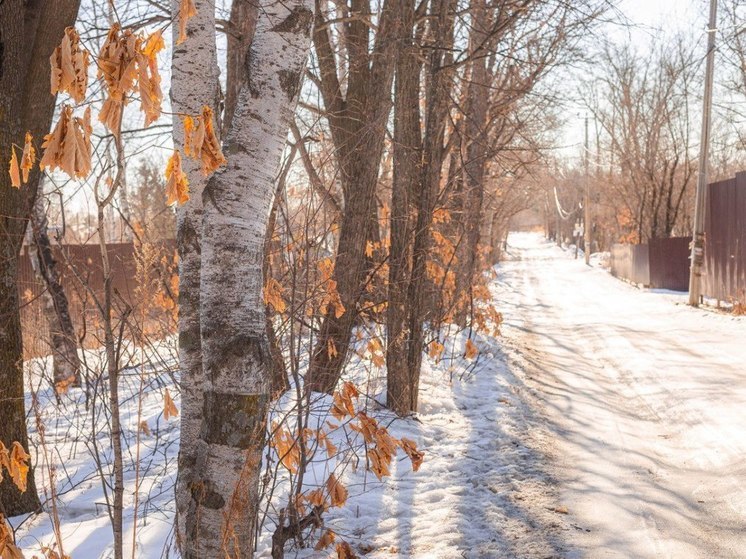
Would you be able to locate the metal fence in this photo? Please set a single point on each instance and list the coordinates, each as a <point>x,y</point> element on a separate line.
<point>725,246</point>
<point>662,263</point>
<point>669,263</point>
<point>631,263</point>
<point>82,278</point>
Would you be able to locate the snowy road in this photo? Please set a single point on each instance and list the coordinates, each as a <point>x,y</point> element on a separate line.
<point>646,398</point>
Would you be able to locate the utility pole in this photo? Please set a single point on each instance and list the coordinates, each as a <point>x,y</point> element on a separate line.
<point>698,241</point>
<point>587,202</point>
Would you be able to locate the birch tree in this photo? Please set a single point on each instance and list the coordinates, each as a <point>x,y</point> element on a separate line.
<point>194,84</point>
<point>218,495</point>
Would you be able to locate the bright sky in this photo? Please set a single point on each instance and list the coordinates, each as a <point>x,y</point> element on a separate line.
<point>647,20</point>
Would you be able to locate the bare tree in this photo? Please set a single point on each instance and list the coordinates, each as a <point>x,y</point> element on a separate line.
<point>357,116</point>
<point>644,112</point>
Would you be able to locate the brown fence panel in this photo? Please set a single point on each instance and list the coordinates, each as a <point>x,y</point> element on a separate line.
<point>669,263</point>
<point>80,266</point>
<point>631,263</point>
<point>725,249</point>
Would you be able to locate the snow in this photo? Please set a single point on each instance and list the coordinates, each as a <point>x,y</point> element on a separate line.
<point>646,400</point>
<point>606,421</point>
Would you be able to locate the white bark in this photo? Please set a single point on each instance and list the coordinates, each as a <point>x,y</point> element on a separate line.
<point>194,83</point>
<point>235,359</point>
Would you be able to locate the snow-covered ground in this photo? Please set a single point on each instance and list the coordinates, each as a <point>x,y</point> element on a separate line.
<point>607,421</point>
<point>646,400</point>
<point>482,491</point>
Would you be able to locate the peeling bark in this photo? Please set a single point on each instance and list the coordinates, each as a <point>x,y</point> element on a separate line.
<point>221,515</point>
<point>194,83</point>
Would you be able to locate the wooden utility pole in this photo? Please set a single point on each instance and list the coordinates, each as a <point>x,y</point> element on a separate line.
<point>698,241</point>
<point>587,202</point>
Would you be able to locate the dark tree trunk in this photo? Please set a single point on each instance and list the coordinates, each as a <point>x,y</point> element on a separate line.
<point>66,363</point>
<point>358,124</point>
<point>477,148</point>
<point>401,389</point>
<point>29,33</point>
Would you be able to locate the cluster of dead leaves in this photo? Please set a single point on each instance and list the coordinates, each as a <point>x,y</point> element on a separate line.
<point>8,549</point>
<point>343,549</point>
<point>16,462</point>
<point>380,445</point>
<point>19,174</point>
<point>288,449</point>
<point>69,63</point>
<point>68,147</point>
<point>128,63</point>
<point>332,494</point>
<point>342,404</point>
<point>201,142</point>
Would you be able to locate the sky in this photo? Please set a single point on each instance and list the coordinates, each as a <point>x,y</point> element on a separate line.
<point>646,21</point>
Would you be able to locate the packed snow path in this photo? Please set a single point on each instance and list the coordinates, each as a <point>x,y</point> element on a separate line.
<point>646,400</point>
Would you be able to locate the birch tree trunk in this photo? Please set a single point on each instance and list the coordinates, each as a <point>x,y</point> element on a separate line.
<point>194,83</point>
<point>221,517</point>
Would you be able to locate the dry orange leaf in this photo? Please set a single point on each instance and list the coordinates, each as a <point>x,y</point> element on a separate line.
<point>316,498</point>
<point>436,350</point>
<point>273,295</point>
<point>19,466</point>
<point>117,64</point>
<point>342,401</point>
<point>145,428</point>
<point>324,439</point>
<point>177,185</point>
<point>287,449</point>
<point>326,539</point>
<point>200,141</point>
<point>4,460</point>
<point>154,44</point>
<point>379,463</point>
<point>69,64</point>
<point>14,170</point>
<point>68,147</point>
<point>186,12</point>
<point>415,455</point>
<point>29,156</point>
<point>337,491</point>
<point>471,350</point>
<point>8,549</point>
<point>149,83</point>
<point>331,349</point>
<point>169,408</point>
<point>367,427</point>
<point>344,551</point>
